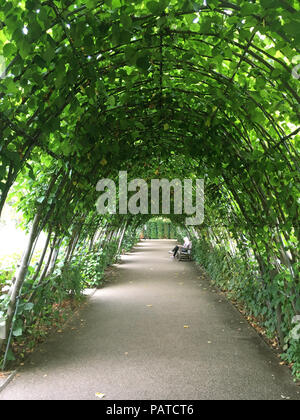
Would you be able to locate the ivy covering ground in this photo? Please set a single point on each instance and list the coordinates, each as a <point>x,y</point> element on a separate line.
<point>162,89</point>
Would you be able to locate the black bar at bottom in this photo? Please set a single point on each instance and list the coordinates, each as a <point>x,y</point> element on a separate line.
<point>150,409</point>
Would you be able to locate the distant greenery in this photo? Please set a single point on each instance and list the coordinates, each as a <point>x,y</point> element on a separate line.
<point>158,228</point>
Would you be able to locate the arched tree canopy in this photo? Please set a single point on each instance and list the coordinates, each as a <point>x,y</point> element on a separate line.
<point>161,89</point>
<point>99,86</point>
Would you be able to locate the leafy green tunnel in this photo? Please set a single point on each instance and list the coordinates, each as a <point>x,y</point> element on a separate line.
<point>162,89</point>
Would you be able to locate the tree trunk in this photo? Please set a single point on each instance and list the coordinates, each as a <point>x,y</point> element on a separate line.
<point>43,275</point>
<point>21,274</point>
<point>54,257</point>
<point>121,237</point>
<point>39,266</point>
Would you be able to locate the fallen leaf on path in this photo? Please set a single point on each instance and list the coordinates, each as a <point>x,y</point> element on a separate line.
<point>209,342</point>
<point>186,326</point>
<point>100,395</point>
<point>149,306</point>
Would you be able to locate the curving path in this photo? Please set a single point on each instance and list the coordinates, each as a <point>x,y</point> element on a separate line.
<point>157,331</point>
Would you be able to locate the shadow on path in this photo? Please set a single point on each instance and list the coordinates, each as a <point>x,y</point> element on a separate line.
<point>157,331</point>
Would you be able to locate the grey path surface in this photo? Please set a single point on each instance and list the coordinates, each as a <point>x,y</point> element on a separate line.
<point>123,347</point>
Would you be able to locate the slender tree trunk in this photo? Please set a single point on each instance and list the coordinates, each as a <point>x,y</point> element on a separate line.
<point>103,235</point>
<point>43,275</point>
<point>21,274</point>
<point>93,239</point>
<point>74,244</point>
<point>121,237</point>
<point>9,182</point>
<point>70,246</point>
<point>54,257</point>
<point>39,266</point>
<point>108,236</point>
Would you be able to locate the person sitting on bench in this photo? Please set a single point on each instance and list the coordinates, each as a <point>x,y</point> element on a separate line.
<point>186,246</point>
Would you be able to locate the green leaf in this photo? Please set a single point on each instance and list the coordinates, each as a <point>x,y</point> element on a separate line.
<point>190,19</point>
<point>11,86</point>
<point>35,31</point>
<point>44,17</point>
<point>111,101</point>
<point>124,36</point>
<point>153,7</point>
<point>48,54</point>
<point>24,48</point>
<point>293,29</point>
<point>28,306</point>
<point>143,62</point>
<point>66,148</point>
<point>14,157</point>
<point>2,171</point>
<point>157,7</point>
<point>271,4</point>
<point>10,356</point>
<point>260,82</point>
<point>9,49</point>
<point>130,55</point>
<point>126,21</point>
<point>248,9</point>
<point>91,4</point>
<point>276,73</point>
<point>17,332</point>
<point>205,26</point>
<point>60,73</point>
<point>116,4</point>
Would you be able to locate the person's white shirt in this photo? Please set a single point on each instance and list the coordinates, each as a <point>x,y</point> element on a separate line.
<point>186,242</point>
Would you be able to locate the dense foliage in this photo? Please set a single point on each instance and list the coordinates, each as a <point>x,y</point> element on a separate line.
<point>158,228</point>
<point>160,88</point>
<point>269,302</point>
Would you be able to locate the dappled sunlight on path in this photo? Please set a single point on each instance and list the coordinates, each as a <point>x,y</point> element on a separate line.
<point>158,330</point>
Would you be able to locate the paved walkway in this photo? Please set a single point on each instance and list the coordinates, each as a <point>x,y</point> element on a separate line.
<point>158,331</point>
